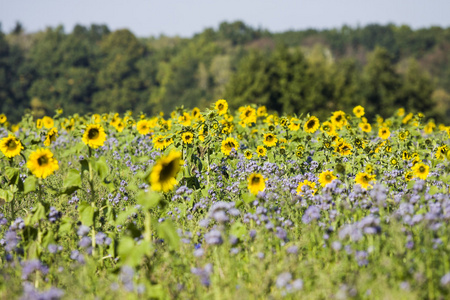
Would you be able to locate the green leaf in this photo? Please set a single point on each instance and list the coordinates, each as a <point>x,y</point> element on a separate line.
<point>433,190</point>
<point>130,253</point>
<point>73,179</point>
<point>38,213</point>
<point>65,226</point>
<point>101,167</point>
<point>123,216</point>
<point>6,196</point>
<point>12,174</point>
<point>411,184</point>
<point>29,184</point>
<point>167,231</point>
<point>149,199</point>
<point>87,213</point>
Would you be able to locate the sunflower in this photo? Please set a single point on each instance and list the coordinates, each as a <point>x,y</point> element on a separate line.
<point>408,175</point>
<point>441,152</point>
<point>261,111</point>
<point>339,119</point>
<point>228,145</point>
<point>221,106</point>
<point>261,150</point>
<point>365,127</point>
<point>394,162</point>
<point>328,127</point>
<point>3,118</point>
<point>384,133</point>
<point>248,154</point>
<point>96,118</point>
<point>51,136</point>
<point>358,111</point>
<point>401,112</point>
<point>256,183</point>
<point>39,123</point>
<point>42,163</point>
<point>311,125</point>
<point>143,127</point>
<point>185,119</point>
<point>364,180</point>
<point>248,115</point>
<point>403,135</point>
<point>294,124</point>
<point>406,155</point>
<point>421,170</point>
<point>195,113</point>
<point>48,122</point>
<point>94,136</point>
<point>120,126</point>
<point>344,148</point>
<point>10,146</point>
<point>369,168</point>
<point>429,127</point>
<point>187,137</point>
<point>309,184</point>
<point>162,177</point>
<point>270,139</point>
<point>326,177</point>
<point>159,142</point>
<point>407,118</point>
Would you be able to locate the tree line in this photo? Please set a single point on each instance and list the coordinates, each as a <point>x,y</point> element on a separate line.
<point>318,71</point>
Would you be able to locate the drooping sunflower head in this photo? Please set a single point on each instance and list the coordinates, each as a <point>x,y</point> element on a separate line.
<point>10,146</point>
<point>94,136</point>
<point>221,106</point>
<point>421,170</point>
<point>42,163</point>
<point>326,177</point>
<point>256,183</point>
<point>364,179</point>
<point>358,111</point>
<point>228,145</point>
<point>143,127</point>
<point>311,125</point>
<point>187,137</point>
<point>270,139</point>
<point>162,178</point>
<point>51,136</point>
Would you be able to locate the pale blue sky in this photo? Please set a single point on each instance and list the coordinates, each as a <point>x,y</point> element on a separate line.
<point>184,18</point>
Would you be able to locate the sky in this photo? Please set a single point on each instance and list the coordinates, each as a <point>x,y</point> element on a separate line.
<point>184,18</point>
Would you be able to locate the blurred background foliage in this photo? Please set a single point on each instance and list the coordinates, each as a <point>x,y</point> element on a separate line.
<point>382,67</point>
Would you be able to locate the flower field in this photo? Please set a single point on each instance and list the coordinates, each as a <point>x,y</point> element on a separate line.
<point>222,204</point>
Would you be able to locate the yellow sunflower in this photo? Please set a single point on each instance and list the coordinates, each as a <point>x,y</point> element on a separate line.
<point>10,146</point>
<point>195,113</point>
<point>358,111</point>
<point>421,170</point>
<point>184,119</point>
<point>270,139</point>
<point>48,122</point>
<point>248,115</point>
<point>39,123</point>
<point>294,124</point>
<point>228,145</point>
<point>310,184</point>
<point>441,152</point>
<point>384,133</point>
<point>261,111</point>
<point>51,136</point>
<point>329,128</point>
<point>159,142</point>
<point>248,154</point>
<point>187,137</point>
<point>408,176</point>
<point>364,179</point>
<point>94,136</point>
<point>42,163</point>
<point>311,125</point>
<point>256,183</point>
<point>339,119</point>
<point>221,106</point>
<point>163,175</point>
<point>261,150</point>
<point>3,118</point>
<point>120,126</point>
<point>143,127</point>
<point>326,177</point>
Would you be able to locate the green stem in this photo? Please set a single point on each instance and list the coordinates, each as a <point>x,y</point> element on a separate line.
<point>91,176</point>
<point>148,227</point>
<point>93,232</point>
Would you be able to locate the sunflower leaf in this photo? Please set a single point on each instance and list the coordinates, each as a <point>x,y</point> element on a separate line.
<point>167,231</point>
<point>29,184</point>
<point>87,213</point>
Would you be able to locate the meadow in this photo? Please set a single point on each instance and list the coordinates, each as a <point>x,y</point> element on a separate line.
<point>222,204</point>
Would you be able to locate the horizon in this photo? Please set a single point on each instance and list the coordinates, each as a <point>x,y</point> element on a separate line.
<point>147,18</point>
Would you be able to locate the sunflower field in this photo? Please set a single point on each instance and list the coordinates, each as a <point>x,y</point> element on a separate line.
<point>222,204</point>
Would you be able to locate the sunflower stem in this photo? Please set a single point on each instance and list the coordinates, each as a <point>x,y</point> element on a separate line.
<point>91,176</point>
<point>147,227</point>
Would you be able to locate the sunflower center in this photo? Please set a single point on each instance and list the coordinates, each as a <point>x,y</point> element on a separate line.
<point>167,171</point>
<point>93,133</point>
<point>11,144</point>
<point>256,180</point>
<point>328,177</point>
<point>220,106</point>
<point>310,124</point>
<point>421,169</point>
<point>43,160</point>
<point>338,118</point>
